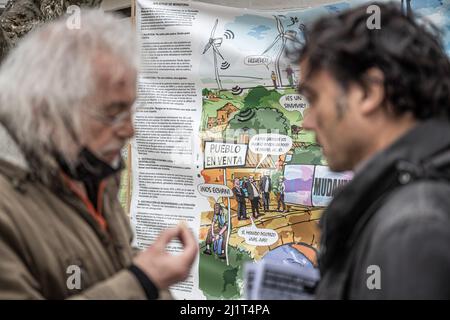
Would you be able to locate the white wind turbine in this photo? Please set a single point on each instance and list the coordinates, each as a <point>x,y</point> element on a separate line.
<point>215,43</point>
<point>284,36</point>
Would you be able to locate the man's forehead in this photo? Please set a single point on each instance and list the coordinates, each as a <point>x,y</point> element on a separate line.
<point>313,80</point>
<point>113,70</point>
<point>115,81</point>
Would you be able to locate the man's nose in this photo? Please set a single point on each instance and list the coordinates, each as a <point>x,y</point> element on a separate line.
<point>126,130</point>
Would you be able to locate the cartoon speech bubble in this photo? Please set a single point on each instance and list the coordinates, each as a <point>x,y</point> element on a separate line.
<point>270,143</point>
<point>214,190</point>
<point>255,236</point>
<point>257,60</point>
<point>294,102</point>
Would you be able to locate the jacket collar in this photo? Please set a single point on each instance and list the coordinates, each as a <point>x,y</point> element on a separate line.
<point>416,147</point>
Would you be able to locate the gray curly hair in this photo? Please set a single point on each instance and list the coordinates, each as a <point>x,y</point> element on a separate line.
<point>49,77</point>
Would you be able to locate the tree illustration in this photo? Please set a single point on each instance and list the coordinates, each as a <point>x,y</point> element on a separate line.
<point>254,96</point>
<point>260,119</point>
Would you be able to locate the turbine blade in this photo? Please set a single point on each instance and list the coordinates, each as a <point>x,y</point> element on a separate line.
<point>214,29</point>
<point>273,43</point>
<point>279,25</point>
<point>208,45</point>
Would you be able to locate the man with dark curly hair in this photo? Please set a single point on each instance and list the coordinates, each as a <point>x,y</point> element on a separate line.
<point>380,105</point>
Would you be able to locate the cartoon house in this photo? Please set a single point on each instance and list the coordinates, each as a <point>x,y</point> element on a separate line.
<point>222,116</point>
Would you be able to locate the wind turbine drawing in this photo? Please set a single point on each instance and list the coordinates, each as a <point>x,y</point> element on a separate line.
<point>282,36</point>
<point>214,44</point>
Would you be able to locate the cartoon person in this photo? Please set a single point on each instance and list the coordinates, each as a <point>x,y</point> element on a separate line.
<point>279,164</point>
<point>217,233</point>
<point>239,195</point>
<point>273,76</point>
<point>280,195</point>
<point>253,195</point>
<point>265,185</point>
<point>290,75</point>
<point>244,185</point>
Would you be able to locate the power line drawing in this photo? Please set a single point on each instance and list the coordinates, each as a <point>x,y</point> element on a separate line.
<point>282,36</point>
<point>214,45</point>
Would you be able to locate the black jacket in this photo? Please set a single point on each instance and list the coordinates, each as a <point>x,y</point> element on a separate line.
<point>395,215</point>
<point>239,194</point>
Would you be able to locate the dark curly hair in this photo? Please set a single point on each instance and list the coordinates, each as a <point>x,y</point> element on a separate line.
<point>409,53</point>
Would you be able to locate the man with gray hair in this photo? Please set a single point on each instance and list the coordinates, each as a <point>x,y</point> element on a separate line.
<point>65,114</point>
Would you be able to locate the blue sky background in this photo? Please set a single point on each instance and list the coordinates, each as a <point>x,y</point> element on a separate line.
<point>253,33</point>
<point>264,28</point>
<point>437,11</point>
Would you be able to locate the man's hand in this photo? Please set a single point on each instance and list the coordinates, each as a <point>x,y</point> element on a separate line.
<point>163,268</point>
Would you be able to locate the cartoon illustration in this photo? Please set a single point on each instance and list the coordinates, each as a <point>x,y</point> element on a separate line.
<point>273,76</point>
<point>283,36</point>
<point>240,196</point>
<point>290,76</point>
<point>281,183</point>
<point>265,185</point>
<point>217,233</point>
<point>265,180</point>
<point>254,196</point>
<point>280,195</point>
<point>214,45</point>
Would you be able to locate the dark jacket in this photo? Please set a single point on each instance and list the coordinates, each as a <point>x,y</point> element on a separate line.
<point>395,215</point>
<point>239,194</point>
<point>45,232</point>
<point>251,194</point>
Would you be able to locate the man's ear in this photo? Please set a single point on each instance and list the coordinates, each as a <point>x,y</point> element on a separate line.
<point>373,98</point>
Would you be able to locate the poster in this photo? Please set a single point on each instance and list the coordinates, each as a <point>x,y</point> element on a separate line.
<point>219,140</point>
<point>435,11</point>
